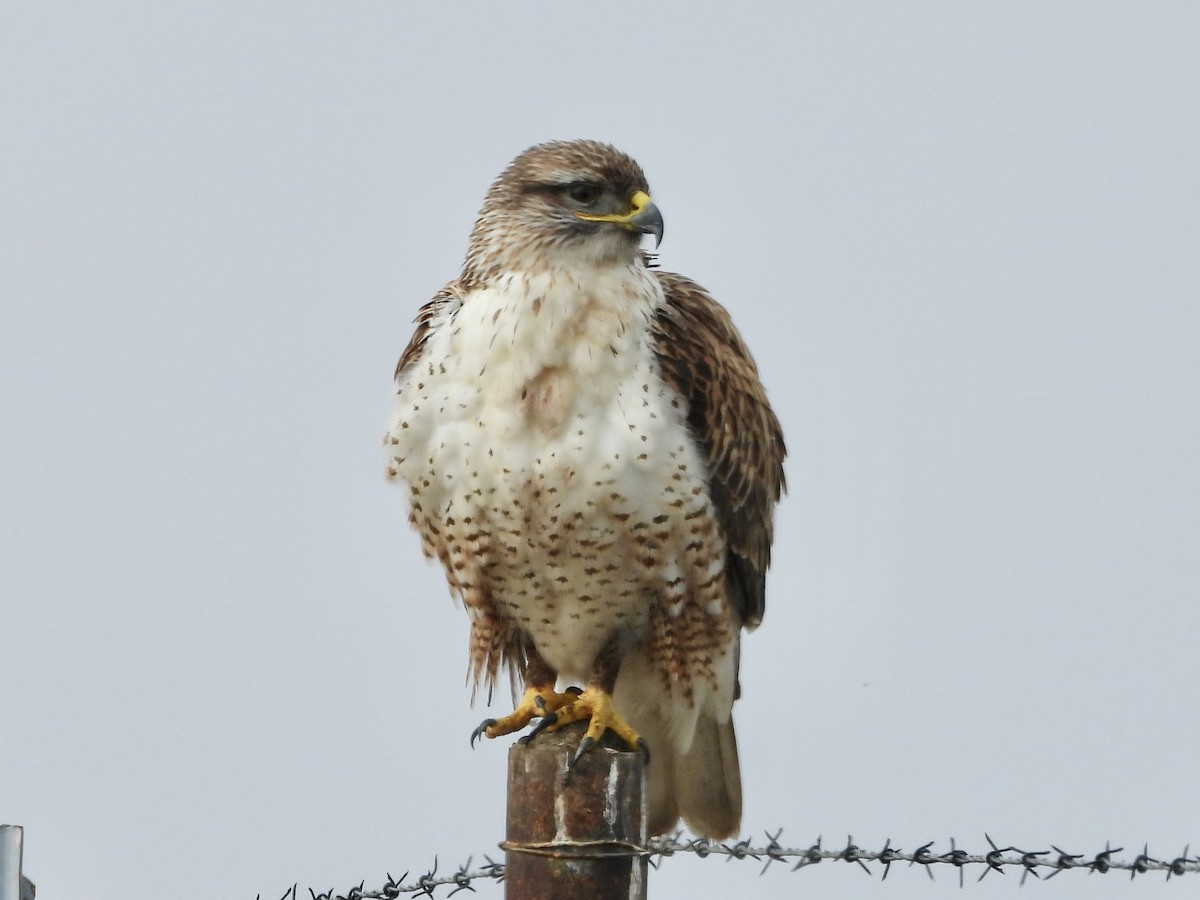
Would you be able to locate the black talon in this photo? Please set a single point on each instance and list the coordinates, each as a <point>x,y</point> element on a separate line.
<point>478,732</point>
<point>644,749</point>
<point>574,690</point>
<point>543,723</point>
<point>585,745</point>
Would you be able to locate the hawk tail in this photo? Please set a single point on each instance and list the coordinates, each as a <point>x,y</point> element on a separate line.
<point>703,786</point>
<point>708,780</point>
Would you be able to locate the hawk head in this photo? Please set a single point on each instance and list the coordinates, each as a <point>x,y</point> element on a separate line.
<point>562,203</point>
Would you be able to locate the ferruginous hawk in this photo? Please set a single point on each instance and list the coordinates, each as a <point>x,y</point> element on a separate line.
<point>590,454</point>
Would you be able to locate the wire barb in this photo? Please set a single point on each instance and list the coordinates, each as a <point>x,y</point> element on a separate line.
<point>997,859</point>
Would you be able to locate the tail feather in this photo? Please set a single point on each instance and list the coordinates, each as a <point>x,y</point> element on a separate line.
<point>660,780</point>
<point>702,784</point>
<point>708,781</point>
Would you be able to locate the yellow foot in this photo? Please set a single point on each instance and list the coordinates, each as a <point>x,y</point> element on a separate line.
<point>537,701</point>
<point>596,706</point>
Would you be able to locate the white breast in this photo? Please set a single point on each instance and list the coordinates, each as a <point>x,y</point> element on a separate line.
<point>538,437</point>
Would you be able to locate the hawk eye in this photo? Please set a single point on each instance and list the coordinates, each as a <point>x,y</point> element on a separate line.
<point>583,192</point>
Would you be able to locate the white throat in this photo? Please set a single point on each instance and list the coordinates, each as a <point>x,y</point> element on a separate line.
<point>550,343</point>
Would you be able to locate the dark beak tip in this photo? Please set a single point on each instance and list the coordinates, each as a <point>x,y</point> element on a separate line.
<point>648,221</point>
<point>653,225</point>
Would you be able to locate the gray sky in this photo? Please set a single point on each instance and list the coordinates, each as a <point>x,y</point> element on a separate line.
<point>960,238</point>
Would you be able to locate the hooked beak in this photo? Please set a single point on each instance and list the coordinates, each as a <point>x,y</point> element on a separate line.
<point>643,217</point>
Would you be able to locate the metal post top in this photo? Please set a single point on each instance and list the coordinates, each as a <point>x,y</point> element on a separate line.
<point>11,845</point>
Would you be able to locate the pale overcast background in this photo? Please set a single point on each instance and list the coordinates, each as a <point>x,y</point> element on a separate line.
<point>962,240</point>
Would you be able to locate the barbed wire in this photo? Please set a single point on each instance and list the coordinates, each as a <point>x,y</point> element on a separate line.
<point>424,886</point>
<point>1034,863</point>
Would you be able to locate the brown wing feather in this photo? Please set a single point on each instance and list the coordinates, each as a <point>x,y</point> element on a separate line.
<point>703,357</point>
<point>424,322</point>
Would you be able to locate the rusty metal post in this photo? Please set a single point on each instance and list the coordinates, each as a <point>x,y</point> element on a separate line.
<point>573,835</point>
